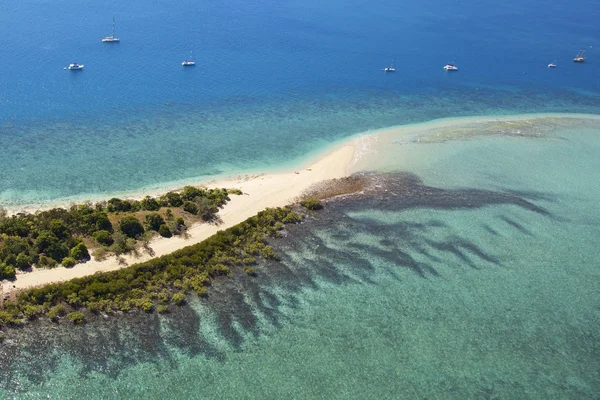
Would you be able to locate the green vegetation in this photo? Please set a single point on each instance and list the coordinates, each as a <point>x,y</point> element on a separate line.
<point>312,204</point>
<point>76,317</point>
<point>48,238</point>
<point>158,282</point>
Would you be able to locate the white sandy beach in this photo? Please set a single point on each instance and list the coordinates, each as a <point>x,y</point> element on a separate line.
<point>279,189</point>
<point>260,192</point>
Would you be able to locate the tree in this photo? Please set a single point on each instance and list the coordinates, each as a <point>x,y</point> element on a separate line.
<point>131,227</point>
<point>150,204</point>
<point>173,199</point>
<point>164,231</point>
<point>68,262</point>
<point>153,221</point>
<point>80,253</point>
<point>190,207</point>
<point>103,237</point>
<point>116,205</point>
<point>23,261</point>
<point>59,228</point>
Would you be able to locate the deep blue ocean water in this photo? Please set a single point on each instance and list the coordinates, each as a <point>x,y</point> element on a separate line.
<point>275,81</point>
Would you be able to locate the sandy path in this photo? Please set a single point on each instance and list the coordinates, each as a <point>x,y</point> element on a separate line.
<point>260,192</point>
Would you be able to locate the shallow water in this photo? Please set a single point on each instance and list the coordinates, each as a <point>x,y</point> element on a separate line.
<point>474,277</point>
<point>275,83</point>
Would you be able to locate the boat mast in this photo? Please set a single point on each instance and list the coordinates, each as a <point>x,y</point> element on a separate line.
<point>113,31</point>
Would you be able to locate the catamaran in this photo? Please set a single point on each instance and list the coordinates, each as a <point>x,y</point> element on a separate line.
<point>391,68</point>
<point>190,61</point>
<point>111,38</point>
<point>580,57</point>
<point>75,67</point>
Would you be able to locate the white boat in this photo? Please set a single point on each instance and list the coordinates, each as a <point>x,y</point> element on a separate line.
<point>551,65</point>
<point>580,57</point>
<point>450,67</point>
<point>75,67</point>
<point>111,38</point>
<point>391,68</point>
<point>190,61</point>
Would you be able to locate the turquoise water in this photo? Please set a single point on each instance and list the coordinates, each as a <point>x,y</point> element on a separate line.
<point>275,82</point>
<point>472,276</point>
<point>471,272</point>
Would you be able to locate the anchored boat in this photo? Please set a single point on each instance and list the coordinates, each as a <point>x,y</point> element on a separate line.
<point>111,38</point>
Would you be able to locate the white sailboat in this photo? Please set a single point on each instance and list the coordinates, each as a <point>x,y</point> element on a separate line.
<point>580,57</point>
<point>450,67</point>
<point>111,38</point>
<point>391,68</point>
<point>190,61</point>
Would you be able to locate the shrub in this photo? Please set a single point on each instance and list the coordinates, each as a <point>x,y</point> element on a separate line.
<point>178,298</point>
<point>235,191</point>
<point>150,204</point>
<point>23,261</point>
<point>101,253</point>
<point>153,221</point>
<point>80,252</point>
<point>190,193</point>
<point>68,262</point>
<point>56,311</point>
<point>131,227</point>
<point>103,237</point>
<point>250,271</point>
<point>7,271</point>
<point>164,231</point>
<point>163,308</point>
<point>46,262</point>
<point>173,199</point>
<point>76,317</point>
<point>312,204</point>
<point>116,205</point>
<point>190,207</point>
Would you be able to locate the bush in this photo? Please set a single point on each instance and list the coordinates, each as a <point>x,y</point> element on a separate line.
<point>250,271</point>
<point>235,191</point>
<point>76,317</point>
<point>23,261</point>
<point>116,205</point>
<point>101,253</point>
<point>80,252</point>
<point>163,308</point>
<point>46,262</point>
<point>178,298</point>
<point>103,237</point>
<point>190,207</point>
<point>153,221</point>
<point>56,311</point>
<point>164,231</point>
<point>173,199</point>
<point>7,272</point>
<point>68,262</point>
<point>131,227</point>
<point>312,204</point>
<point>150,204</point>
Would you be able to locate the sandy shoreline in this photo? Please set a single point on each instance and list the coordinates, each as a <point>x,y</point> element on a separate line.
<point>260,192</point>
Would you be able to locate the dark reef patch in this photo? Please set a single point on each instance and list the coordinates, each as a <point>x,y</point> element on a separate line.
<point>323,248</point>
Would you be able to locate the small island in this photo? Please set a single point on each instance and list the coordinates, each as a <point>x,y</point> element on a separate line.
<point>65,236</point>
